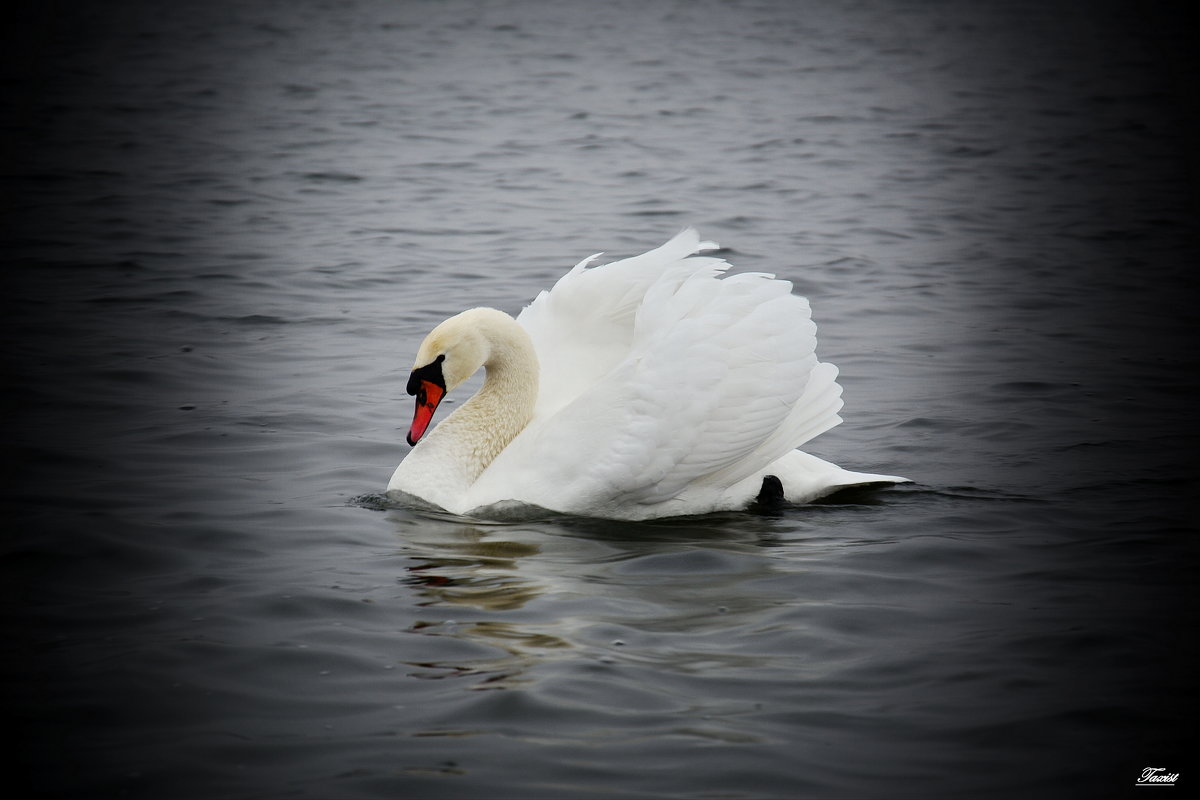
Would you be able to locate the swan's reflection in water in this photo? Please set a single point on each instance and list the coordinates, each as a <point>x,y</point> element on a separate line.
<point>479,573</point>
<point>603,593</point>
<point>462,568</point>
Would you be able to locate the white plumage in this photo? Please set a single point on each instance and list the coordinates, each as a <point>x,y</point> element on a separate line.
<point>659,388</point>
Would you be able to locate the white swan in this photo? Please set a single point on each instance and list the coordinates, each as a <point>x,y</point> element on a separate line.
<point>647,387</point>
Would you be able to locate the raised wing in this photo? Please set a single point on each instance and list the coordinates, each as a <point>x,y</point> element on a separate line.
<point>704,381</point>
<point>592,312</point>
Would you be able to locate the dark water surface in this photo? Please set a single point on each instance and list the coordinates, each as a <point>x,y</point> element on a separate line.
<point>228,226</point>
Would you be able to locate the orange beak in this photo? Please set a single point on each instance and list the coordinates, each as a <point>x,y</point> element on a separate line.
<point>429,394</point>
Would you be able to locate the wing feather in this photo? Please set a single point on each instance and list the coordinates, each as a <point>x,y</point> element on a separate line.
<point>593,311</point>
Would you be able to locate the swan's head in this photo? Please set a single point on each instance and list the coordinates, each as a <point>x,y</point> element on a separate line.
<point>451,353</point>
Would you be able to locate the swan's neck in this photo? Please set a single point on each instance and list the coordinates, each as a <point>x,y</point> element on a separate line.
<point>478,431</point>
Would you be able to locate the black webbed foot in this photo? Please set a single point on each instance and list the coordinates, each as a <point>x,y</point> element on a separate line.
<point>770,496</point>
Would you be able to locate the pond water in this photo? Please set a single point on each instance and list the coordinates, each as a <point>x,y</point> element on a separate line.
<point>230,225</point>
